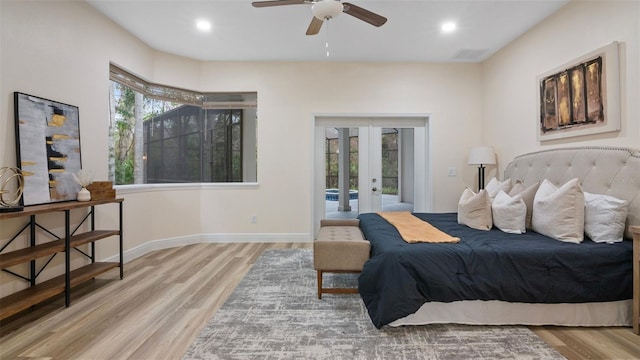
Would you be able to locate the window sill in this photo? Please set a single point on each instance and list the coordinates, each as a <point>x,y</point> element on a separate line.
<point>142,188</point>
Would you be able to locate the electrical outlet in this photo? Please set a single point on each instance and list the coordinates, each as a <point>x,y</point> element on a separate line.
<point>254,219</point>
<point>453,171</point>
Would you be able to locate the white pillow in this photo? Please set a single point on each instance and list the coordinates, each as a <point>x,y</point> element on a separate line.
<point>509,213</point>
<point>527,195</point>
<point>494,186</point>
<point>474,210</point>
<point>559,212</point>
<point>604,217</point>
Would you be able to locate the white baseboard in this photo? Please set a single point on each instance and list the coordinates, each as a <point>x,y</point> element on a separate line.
<point>154,245</point>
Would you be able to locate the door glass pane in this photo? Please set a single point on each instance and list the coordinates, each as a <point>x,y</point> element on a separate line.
<point>341,166</point>
<point>394,171</point>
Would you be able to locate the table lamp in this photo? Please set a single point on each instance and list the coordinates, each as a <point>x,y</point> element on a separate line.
<point>481,155</point>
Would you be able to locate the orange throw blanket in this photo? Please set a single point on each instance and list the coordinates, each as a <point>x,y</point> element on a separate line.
<point>415,230</point>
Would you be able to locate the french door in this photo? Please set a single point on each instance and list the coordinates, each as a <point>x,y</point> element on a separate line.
<point>412,183</point>
<point>391,165</point>
<point>370,169</point>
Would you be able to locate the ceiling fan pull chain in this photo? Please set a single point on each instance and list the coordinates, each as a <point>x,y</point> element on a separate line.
<point>326,44</point>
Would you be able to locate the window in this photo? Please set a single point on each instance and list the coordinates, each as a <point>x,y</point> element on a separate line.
<point>160,134</point>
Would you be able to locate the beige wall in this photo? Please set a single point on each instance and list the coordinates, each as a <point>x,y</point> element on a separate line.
<point>290,93</point>
<point>509,122</point>
<point>61,51</point>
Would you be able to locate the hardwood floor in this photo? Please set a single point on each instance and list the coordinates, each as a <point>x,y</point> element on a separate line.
<point>167,296</point>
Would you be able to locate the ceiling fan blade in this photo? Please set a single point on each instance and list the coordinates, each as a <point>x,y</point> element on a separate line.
<point>314,26</point>
<point>364,14</point>
<point>277,3</point>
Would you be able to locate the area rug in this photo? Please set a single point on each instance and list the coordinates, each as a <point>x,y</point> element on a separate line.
<point>274,313</point>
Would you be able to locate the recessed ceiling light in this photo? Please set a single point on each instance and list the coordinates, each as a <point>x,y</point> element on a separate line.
<point>203,25</point>
<point>448,27</point>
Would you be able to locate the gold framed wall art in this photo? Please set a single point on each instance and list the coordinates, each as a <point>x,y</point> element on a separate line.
<point>581,97</point>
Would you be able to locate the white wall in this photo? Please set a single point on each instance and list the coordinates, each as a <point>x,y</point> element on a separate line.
<point>289,93</point>
<point>510,122</point>
<point>61,50</point>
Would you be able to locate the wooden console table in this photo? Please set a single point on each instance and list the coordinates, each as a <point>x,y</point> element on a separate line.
<point>636,279</point>
<point>39,292</point>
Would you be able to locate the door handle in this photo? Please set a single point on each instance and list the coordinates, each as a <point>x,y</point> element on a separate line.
<point>374,189</point>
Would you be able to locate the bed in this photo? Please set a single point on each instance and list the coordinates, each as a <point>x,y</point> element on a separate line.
<point>496,278</point>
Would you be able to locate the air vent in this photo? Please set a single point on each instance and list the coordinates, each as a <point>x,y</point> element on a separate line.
<point>469,55</point>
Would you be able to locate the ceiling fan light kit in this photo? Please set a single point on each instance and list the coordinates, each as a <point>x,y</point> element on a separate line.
<point>325,10</point>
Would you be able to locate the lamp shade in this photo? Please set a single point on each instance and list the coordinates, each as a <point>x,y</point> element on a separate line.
<point>481,155</point>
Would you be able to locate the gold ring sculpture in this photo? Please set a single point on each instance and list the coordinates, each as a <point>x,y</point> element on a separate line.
<point>9,198</point>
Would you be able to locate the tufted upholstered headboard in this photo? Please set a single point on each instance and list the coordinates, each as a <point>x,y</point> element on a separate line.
<point>602,170</point>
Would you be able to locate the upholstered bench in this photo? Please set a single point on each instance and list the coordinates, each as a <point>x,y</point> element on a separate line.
<point>339,248</point>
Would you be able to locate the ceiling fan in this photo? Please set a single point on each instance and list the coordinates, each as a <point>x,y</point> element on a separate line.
<point>327,9</point>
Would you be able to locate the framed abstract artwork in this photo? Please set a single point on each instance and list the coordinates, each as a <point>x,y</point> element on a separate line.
<point>581,97</point>
<point>47,148</point>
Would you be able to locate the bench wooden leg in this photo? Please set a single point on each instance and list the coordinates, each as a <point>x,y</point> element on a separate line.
<point>322,290</point>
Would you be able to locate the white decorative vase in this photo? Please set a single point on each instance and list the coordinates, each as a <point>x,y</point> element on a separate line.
<point>84,195</point>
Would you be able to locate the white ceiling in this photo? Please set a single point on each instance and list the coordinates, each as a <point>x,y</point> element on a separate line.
<point>241,32</point>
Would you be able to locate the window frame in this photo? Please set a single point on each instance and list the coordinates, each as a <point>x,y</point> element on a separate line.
<point>234,102</point>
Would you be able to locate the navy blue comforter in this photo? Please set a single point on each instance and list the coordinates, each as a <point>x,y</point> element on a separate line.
<point>486,265</point>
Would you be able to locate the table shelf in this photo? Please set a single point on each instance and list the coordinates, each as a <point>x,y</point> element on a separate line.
<point>45,290</point>
<point>39,292</point>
